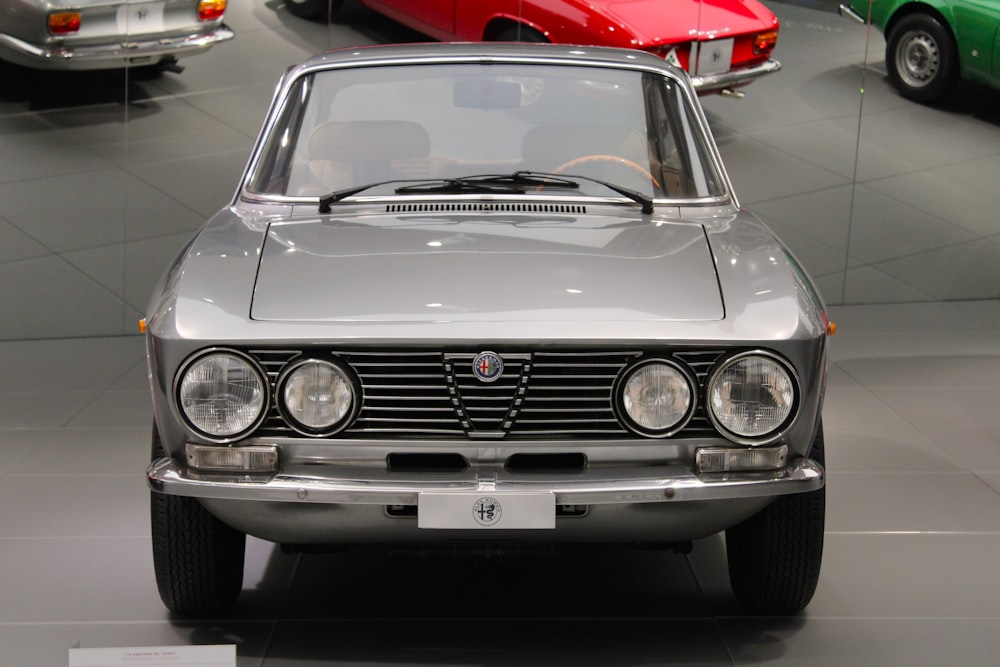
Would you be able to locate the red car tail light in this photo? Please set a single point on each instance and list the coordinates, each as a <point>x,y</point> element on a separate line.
<point>209,10</point>
<point>763,42</point>
<point>64,23</point>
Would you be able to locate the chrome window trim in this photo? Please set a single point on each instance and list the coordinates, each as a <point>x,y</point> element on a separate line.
<point>293,74</point>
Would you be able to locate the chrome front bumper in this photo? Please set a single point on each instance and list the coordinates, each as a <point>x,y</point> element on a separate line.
<point>708,83</point>
<point>108,56</point>
<point>598,486</point>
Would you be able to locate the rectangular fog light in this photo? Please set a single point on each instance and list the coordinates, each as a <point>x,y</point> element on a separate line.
<point>730,459</point>
<point>254,458</point>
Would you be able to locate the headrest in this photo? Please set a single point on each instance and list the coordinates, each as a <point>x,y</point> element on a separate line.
<point>555,144</point>
<point>358,140</point>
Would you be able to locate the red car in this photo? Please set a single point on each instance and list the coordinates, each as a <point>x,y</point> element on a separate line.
<point>723,44</point>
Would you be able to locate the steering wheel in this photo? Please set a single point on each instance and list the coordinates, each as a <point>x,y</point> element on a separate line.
<point>617,159</point>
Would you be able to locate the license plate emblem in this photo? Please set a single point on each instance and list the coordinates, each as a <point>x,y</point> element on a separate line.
<point>486,511</point>
<point>140,19</point>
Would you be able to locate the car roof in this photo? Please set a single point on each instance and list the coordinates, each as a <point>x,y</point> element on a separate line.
<point>485,52</point>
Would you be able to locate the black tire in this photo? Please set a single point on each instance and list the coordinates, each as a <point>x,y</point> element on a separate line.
<point>775,555</point>
<point>314,9</point>
<point>515,32</point>
<point>921,58</point>
<point>198,560</point>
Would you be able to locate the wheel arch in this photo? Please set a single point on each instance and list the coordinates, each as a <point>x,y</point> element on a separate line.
<point>937,10</point>
<point>498,24</point>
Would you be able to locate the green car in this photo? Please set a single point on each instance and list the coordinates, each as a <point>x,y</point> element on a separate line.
<point>931,44</point>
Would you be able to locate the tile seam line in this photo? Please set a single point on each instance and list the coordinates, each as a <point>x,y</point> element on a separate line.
<point>522,619</point>
<point>899,533</point>
<point>197,622</point>
<point>194,623</point>
<point>75,538</point>
<point>41,114</point>
<point>102,246</point>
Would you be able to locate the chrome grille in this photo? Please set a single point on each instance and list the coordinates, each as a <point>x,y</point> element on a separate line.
<point>542,393</point>
<point>487,410</point>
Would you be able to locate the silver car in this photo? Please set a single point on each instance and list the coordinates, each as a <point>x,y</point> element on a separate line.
<point>491,293</point>
<point>107,34</point>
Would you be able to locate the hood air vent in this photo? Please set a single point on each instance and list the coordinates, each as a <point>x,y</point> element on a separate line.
<point>485,207</point>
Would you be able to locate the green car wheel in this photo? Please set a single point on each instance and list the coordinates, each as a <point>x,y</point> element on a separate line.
<point>921,57</point>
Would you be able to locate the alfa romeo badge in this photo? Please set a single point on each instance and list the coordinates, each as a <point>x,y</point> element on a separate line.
<point>487,366</point>
<point>486,511</point>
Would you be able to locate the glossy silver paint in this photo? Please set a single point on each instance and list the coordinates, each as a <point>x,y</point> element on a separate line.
<point>107,39</point>
<point>588,254</point>
<point>271,272</point>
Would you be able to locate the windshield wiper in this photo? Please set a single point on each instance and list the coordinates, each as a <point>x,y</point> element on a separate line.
<point>338,195</point>
<point>485,183</point>
<point>636,196</point>
<point>514,183</point>
<point>548,179</point>
<point>536,179</point>
<point>457,186</point>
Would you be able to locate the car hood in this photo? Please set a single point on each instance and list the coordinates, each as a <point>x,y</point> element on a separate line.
<point>657,20</point>
<point>486,268</point>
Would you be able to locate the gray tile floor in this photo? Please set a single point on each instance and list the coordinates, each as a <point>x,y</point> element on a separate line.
<point>912,418</point>
<point>909,578</point>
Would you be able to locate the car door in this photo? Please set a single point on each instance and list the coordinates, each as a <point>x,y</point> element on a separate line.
<point>977,30</point>
<point>434,17</point>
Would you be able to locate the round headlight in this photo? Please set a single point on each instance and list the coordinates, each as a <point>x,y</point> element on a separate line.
<point>222,395</point>
<point>317,396</point>
<point>751,396</point>
<point>656,398</point>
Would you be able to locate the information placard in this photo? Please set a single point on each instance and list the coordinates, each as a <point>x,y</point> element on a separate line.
<point>218,655</point>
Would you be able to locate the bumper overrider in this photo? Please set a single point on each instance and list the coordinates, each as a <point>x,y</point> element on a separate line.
<point>112,55</point>
<point>707,83</point>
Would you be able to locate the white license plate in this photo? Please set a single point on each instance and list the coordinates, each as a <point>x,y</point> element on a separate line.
<point>139,19</point>
<point>715,57</point>
<point>487,511</point>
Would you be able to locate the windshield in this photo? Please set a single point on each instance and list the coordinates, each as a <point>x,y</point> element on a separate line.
<point>349,128</point>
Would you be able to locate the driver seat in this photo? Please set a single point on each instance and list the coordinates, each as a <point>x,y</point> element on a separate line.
<point>347,153</point>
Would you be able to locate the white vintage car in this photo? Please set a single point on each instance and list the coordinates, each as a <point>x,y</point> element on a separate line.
<point>108,34</point>
<point>491,293</point>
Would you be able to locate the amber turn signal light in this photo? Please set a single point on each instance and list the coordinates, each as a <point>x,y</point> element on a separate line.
<point>64,23</point>
<point>209,10</point>
<point>763,42</point>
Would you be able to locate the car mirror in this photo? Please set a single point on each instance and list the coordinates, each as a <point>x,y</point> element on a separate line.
<point>487,94</point>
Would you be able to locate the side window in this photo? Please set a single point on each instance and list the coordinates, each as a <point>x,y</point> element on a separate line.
<point>277,161</point>
<point>683,164</point>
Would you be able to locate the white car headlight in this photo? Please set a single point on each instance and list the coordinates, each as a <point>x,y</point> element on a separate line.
<point>751,396</point>
<point>656,398</point>
<point>222,395</point>
<point>317,396</point>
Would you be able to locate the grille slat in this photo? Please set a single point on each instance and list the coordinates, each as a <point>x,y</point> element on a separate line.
<point>541,394</point>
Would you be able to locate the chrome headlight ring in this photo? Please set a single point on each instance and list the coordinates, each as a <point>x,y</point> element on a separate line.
<point>221,394</point>
<point>655,397</point>
<point>318,396</point>
<point>753,397</point>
